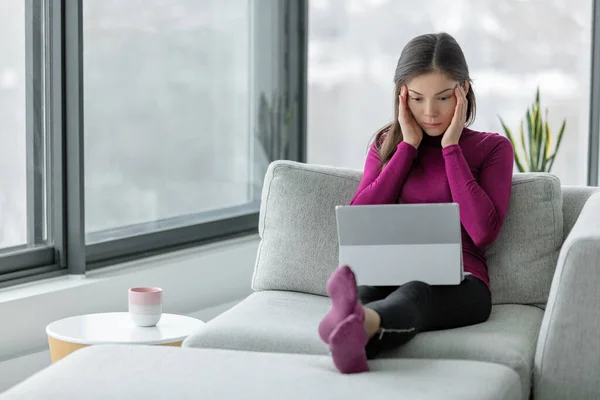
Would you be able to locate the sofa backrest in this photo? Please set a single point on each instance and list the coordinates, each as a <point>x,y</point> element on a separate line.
<point>574,197</point>
<point>299,246</point>
<point>521,262</point>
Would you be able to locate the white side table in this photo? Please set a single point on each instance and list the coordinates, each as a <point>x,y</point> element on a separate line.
<point>70,334</point>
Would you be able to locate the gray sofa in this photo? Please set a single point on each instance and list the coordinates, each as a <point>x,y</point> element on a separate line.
<point>542,338</point>
<point>547,257</point>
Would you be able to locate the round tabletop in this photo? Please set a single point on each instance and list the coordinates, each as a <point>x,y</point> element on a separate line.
<point>117,328</point>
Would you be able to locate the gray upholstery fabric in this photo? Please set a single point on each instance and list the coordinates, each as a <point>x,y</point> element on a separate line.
<point>508,337</point>
<point>273,321</point>
<point>146,372</point>
<point>567,359</point>
<point>521,262</point>
<point>299,246</point>
<point>574,197</point>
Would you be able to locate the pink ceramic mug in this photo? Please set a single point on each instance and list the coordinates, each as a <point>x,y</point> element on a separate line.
<point>145,305</point>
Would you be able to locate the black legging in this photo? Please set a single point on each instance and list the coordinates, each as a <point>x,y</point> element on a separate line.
<point>418,307</point>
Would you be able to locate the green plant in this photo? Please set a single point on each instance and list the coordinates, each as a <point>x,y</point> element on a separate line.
<point>273,127</point>
<point>535,153</point>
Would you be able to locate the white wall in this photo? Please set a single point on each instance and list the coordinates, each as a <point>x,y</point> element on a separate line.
<point>201,282</point>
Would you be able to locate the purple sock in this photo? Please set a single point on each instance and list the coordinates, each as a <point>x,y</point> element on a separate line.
<point>344,301</point>
<point>347,344</point>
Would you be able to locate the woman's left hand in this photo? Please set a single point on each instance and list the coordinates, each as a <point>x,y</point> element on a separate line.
<point>452,134</point>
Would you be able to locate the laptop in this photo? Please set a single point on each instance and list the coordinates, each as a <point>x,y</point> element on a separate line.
<point>392,244</point>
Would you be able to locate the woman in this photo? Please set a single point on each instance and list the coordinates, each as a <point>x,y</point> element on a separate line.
<point>426,155</point>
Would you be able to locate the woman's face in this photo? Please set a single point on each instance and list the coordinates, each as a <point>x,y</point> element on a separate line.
<point>432,100</point>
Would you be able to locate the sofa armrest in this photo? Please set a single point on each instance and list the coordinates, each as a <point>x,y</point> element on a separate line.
<point>567,359</point>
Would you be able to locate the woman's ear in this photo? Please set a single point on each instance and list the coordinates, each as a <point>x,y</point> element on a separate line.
<point>467,86</point>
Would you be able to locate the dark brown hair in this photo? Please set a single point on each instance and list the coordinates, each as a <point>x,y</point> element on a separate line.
<point>424,54</point>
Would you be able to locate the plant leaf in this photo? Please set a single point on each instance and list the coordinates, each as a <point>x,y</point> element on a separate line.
<point>540,139</point>
<point>513,142</point>
<point>550,162</point>
<point>560,136</point>
<point>521,133</point>
<point>547,143</point>
<point>535,148</point>
<point>529,138</point>
<point>548,139</point>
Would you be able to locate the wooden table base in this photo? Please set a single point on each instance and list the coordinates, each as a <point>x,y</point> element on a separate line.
<point>60,349</point>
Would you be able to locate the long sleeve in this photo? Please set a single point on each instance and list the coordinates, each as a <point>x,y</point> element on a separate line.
<point>482,205</point>
<point>384,187</point>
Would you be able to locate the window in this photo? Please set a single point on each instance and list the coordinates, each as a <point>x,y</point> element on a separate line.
<point>167,117</point>
<point>511,46</point>
<point>23,139</point>
<point>131,128</point>
<point>13,152</point>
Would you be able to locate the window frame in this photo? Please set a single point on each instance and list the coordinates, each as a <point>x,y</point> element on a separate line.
<point>34,120</point>
<point>594,124</point>
<point>33,260</point>
<point>57,73</point>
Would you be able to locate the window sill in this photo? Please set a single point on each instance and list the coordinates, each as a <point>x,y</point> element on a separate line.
<point>192,279</point>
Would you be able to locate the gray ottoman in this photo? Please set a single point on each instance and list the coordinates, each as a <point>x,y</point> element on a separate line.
<point>153,372</point>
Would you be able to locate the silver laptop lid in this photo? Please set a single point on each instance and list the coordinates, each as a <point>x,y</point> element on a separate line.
<point>387,224</point>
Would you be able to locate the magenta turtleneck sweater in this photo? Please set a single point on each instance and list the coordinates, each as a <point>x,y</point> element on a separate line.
<point>476,174</point>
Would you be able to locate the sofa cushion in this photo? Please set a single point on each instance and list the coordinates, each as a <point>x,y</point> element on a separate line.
<point>154,372</point>
<point>274,321</point>
<point>299,245</point>
<point>522,261</point>
<point>297,226</point>
<point>508,337</point>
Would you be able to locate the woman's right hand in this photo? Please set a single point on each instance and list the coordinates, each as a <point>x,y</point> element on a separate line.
<point>411,131</point>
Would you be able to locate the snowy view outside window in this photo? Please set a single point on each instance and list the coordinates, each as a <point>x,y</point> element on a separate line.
<point>510,45</point>
<point>171,88</point>
<point>13,179</point>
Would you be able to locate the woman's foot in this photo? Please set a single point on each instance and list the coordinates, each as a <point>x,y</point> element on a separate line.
<point>347,344</point>
<point>342,289</point>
